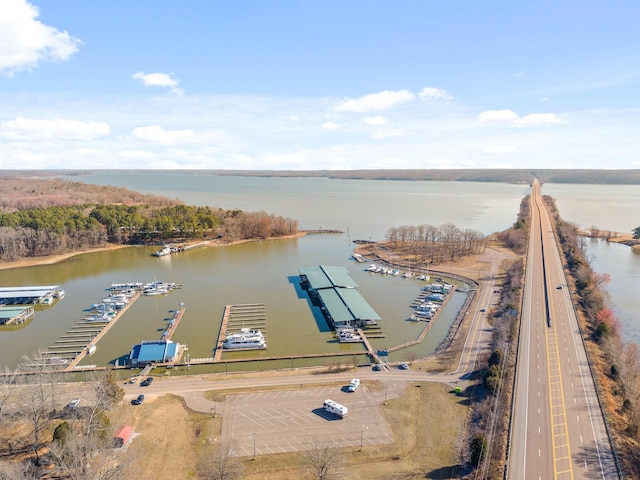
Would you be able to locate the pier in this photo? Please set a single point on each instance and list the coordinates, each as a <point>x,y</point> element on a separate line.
<point>81,339</point>
<point>236,317</point>
<point>173,324</point>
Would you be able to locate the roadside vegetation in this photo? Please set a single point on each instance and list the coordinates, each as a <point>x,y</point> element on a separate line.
<point>33,225</point>
<point>615,363</point>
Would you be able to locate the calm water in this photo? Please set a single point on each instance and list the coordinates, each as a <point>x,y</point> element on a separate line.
<point>265,272</point>
<point>615,208</point>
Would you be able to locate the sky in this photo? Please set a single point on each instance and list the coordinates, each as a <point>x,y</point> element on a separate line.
<point>311,85</point>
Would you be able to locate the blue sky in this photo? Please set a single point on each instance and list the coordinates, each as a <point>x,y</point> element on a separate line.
<point>307,85</point>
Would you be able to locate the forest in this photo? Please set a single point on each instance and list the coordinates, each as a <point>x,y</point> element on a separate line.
<point>53,216</point>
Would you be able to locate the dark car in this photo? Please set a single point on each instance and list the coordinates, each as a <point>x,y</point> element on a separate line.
<point>138,400</point>
<point>146,382</point>
<point>377,367</point>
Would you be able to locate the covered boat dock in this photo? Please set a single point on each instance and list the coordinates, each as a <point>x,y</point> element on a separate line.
<point>15,315</point>
<point>28,295</point>
<point>341,302</point>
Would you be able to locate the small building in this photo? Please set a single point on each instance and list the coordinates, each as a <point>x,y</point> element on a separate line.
<point>122,436</point>
<point>154,351</point>
<point>15,315</point>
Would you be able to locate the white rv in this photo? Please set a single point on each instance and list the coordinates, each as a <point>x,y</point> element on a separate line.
<point>335,408</point>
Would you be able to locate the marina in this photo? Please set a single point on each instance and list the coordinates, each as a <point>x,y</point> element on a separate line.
<point>81,339</point>
<point>239,319</point>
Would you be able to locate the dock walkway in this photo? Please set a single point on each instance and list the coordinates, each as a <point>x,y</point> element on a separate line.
<point>173,324</point>
<point>236,317</point>
<point>75,343</point>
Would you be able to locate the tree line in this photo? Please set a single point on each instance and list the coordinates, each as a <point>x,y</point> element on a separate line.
<point>52,230</point>
<point>428,243</point>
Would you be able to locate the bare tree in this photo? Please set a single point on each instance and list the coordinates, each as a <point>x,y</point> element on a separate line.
<point>7,390</point>
<point>324,462</point>
<point>37,392</point>
<point>89,455</point>
<point>219,464</point>
<point>18,471</point>
<point>105,389</point>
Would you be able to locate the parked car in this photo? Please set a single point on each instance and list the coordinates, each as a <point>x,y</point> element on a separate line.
<point>377,367</point>
<point>146,382</point>
<point>353,386</point>
<point>559,287</point>
<point>73,403</point>
<point>483,310</point>
<point>138,400</point>
<point>403,366</point>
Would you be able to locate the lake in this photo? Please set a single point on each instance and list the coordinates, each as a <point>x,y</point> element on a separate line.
<point>266,272</point>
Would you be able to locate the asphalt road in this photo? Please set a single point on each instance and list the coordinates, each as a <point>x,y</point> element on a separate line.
<point>558,428</point>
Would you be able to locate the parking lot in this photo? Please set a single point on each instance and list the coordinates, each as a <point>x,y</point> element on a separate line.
<point>294,420</point>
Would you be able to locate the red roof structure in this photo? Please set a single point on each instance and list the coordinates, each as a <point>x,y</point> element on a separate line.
<point>122,436</point>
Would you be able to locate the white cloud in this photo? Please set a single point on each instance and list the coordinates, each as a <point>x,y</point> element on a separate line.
<point>377,120</point>
<point>497,116</point>
<point>159,80</point>
<point>330,126</point>
<point>29,128</point>
<point>431,93</point>
<point>534,119</point>
<point>510,117</point>
<point>382,134</point>
<point>500,150</point>
<point>155,134</point>
<point>25,41</point>
<point>376,101</point>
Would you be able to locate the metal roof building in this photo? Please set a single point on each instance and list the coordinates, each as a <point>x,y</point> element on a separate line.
<point>17,315</point>
<point>26,294</point>
<point>341,302</point>
<point>153,351</point>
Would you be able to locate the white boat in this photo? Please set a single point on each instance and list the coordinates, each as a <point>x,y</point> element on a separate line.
<point>166,250</point>
<point>156,290</point>
<point>348,335</point>
<point>246,338</point>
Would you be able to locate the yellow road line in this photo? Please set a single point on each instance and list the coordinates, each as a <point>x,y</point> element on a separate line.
<point>556,402</point>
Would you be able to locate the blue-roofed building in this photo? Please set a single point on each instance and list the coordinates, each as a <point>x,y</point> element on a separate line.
<point>154,351</point>
<point>335,290</point>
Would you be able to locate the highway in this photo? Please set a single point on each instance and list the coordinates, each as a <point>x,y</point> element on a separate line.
<point>558,429</point>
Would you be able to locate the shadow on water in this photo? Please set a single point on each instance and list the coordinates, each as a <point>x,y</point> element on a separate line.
<point>321,322</point>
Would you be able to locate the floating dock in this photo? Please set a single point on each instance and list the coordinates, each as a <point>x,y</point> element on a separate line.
<point>236,317</point>
<point>81,339</point>
<point>173,323</point>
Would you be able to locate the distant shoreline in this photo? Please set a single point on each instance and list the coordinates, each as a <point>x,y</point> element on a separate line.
<point>518,176</point>
<point>53,259</point>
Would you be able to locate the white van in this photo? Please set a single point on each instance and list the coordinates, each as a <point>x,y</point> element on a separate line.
<point>353,386</point>
<point>335,408</point>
